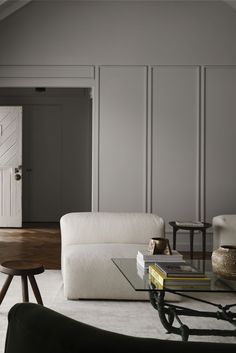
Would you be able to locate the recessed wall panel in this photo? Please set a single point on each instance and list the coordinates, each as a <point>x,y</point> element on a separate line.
<point>175,142</point>
<point>122,139</point>
<point>220,141</point>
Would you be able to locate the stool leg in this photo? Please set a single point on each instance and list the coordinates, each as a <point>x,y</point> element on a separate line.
<point>5,287</point>
<point>35,290</point>
<point>204,243</point>
<point>25,293</point>
<point>174,238</point>
<point>191,243</point>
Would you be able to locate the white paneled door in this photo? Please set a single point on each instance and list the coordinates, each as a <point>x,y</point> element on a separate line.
<point>10,166</point>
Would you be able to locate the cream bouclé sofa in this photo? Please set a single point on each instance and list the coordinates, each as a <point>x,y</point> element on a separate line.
<point>224,230</point>
<point>91,239</point>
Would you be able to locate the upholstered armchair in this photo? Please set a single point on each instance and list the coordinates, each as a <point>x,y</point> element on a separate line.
<point>224,230</point>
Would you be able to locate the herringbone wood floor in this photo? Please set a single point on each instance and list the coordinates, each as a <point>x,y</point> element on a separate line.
<point>39,243</point>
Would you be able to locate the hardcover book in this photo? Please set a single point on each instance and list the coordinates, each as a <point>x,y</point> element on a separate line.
<point>144,259</point>
<point>178,285</point>
<point>163,280</point>
<point>179,269</point>
<point>145,255</point>
<point>144,264</point>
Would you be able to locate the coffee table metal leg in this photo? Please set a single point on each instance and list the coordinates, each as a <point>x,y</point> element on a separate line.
<point>35,290</point>
<point>5,287</point>
<point>167,315</point>
<point>25,293</point>
<point>170,313</point>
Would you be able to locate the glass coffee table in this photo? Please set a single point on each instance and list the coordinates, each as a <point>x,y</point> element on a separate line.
<point>169,312</point>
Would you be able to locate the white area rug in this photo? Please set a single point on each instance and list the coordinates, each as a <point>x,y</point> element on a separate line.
<point>132,318</point>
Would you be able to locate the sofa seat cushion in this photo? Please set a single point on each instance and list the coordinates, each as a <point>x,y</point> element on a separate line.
<point>88,268</point>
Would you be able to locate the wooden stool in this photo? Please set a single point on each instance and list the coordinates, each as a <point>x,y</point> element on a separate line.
<point>24,269</point>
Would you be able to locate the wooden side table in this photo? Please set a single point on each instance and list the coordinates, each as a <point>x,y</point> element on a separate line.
<point>26,270</point>
<point>191,230</point>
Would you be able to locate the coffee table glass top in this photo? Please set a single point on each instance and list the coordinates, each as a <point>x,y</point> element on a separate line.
<point>139,278</point>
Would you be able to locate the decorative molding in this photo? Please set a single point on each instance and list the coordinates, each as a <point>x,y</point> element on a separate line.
<point>145,127</point>
<point>146,176</point>
<point>95,142</point>
<point>199,142</point>
<point>198,153</point>
<point>149,141</point>
<point>203,144</point>
<point>207,67</point>
<point>47,71</point>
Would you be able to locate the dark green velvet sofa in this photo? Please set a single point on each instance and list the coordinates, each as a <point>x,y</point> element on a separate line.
<point>33,328</point>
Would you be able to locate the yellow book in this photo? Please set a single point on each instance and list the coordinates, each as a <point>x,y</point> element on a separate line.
<point>157,285</point>
<point>179,281</point>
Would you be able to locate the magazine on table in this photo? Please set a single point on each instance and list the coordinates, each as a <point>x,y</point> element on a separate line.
<point>179,269</point>
<point>189,223</point>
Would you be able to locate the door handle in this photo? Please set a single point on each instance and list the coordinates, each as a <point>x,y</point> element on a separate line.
<point>17,177</point>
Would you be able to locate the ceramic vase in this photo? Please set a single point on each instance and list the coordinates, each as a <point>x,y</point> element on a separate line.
<point>224,261</point>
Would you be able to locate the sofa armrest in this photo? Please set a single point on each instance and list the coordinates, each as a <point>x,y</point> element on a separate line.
<point>33,328</point>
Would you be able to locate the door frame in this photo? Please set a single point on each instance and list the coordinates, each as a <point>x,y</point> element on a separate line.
<point>62,76</point>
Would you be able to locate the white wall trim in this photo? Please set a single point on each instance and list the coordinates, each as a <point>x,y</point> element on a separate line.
<point>199,140</point>
<point>203,145</point>
<point>145,129</point>
<point>46,71</point>
<point>149,140</point>
<point>96,141</point>
<point>197,70</point>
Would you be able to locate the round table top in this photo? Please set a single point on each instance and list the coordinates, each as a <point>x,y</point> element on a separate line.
<point>21,268</point>
<point>204,225</point>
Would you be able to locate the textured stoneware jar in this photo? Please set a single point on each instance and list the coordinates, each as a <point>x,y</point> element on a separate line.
<point>224,261</point>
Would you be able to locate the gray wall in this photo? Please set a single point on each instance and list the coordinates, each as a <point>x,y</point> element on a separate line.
<point>123,32</point>
<point>164,84</point>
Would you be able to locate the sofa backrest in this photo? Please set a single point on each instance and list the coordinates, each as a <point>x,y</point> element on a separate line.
<point>110,227</point>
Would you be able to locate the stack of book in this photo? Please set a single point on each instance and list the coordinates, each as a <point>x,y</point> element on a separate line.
<point>144,258</point>
<point>177,275</point>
